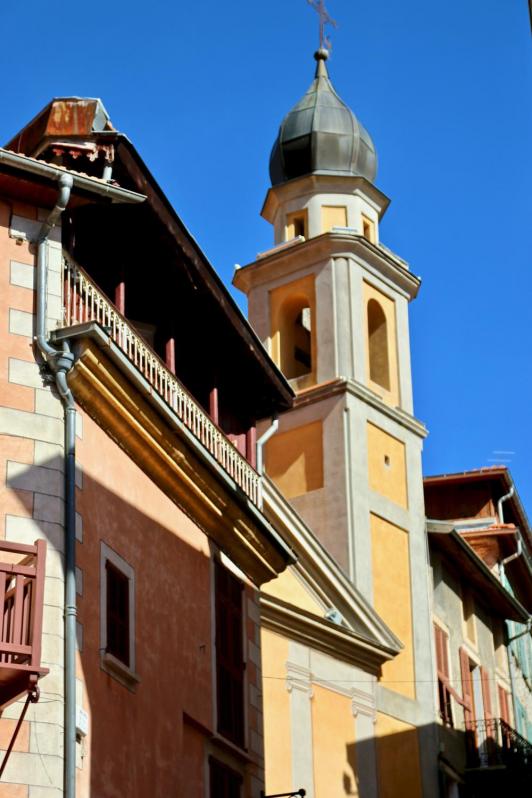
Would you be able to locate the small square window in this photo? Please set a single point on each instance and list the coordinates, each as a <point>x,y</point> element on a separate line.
<point>296,225</point>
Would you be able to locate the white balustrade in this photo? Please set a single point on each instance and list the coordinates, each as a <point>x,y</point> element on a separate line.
<point>84,302</point>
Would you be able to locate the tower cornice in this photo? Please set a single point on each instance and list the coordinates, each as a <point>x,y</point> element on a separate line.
<point>281,261</point>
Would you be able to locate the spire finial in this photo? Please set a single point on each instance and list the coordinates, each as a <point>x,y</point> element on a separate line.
<point>325,19</point>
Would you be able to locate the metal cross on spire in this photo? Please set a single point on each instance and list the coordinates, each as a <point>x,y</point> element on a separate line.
<point>325,19</point>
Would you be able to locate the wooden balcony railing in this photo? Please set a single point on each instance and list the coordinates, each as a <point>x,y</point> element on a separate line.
<point>84,302</point>
<point>22,597</point>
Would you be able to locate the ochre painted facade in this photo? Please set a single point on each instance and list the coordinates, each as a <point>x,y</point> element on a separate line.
<point>387,466</point>
<point>334,744</point>
<point>277,733</point>
<point>294,459</point>
<point>392,599</point>
<point>398,758</point>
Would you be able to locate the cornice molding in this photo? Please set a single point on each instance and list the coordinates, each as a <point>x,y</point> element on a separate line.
<point>168,454</point>
<point>344,385</point>
<point>321,634</point>
<point>322,248</point>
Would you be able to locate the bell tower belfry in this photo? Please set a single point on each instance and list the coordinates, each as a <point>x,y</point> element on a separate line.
<point>330,303</point>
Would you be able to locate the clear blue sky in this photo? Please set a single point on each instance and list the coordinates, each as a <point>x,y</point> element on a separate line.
<point>443,88</point>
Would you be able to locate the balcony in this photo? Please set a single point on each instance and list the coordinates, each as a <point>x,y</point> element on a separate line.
<point>492,742</point>
<point>22,570</point>
<point>84,302</point>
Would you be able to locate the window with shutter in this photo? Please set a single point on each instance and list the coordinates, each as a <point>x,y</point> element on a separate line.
<point>442,665</point>
<point>229,655</point>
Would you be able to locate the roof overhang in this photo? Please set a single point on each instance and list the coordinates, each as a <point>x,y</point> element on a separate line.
<point>459,554</point>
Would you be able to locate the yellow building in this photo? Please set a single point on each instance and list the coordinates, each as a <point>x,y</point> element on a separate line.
<point>330,303</point>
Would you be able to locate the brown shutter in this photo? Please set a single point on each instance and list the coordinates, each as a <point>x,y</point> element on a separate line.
<point>467,690</point>
<point>503,704</point>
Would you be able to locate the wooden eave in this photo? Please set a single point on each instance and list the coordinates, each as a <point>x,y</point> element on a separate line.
<point>466,563</point>
<point>321,634</point>
<point>145,182</point>
<point>278,263</point>
<point>123,403</point>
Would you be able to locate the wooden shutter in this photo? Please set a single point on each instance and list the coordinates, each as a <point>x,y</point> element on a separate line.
<point>442,660</point>
<point>467,689</point>
<point>503,704</point>
<point>488,715</point>
<point>229,655</point>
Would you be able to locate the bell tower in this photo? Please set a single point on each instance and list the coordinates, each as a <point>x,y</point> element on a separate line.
<point>330,303</point>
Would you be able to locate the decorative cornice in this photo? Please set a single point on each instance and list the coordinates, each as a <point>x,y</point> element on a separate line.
<point>124,407</point>
<point>343,385</point>
<point>323,635</point>
<point>322,248</point>
<point>298,678</point>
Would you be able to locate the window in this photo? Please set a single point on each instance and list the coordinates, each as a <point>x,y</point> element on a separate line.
<point>296,338</point>
<point>224,782</point>
<point>229,655</point>
<point>296,225</point>
<point>379,366</point>
<point>442,665</point>
<point>117,612</point>
<point>368,229</point>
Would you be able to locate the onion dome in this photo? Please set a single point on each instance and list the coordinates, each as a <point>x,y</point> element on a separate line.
<point>321,135</point>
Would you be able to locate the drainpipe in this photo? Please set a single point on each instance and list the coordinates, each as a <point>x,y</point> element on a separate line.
<point>264,438</point>
<point>60,362</point>
<point>501,502</point>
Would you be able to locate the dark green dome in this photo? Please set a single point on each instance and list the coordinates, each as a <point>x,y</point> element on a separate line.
<point>321,135</point>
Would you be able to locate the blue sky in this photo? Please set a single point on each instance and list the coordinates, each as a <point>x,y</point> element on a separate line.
<point>443,88</point>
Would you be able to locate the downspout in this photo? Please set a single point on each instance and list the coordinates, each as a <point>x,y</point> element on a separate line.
<point>264,438</point>
<point>60,362</point>
<point>501,502</point>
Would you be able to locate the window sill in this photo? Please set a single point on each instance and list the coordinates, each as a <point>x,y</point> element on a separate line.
<point>119,671</point>
<point>238,751</point>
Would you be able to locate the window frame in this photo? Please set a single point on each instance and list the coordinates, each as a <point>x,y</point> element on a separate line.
<point>124,672</point>
<point>237,736</point>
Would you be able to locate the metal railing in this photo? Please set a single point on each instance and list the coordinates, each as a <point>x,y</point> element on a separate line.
<point>84,302</point>
<point>22,598</point>
<point>492,741</point>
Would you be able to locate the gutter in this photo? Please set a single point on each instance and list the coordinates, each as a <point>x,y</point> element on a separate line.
<point>59,363</point>
<point>55,173</point>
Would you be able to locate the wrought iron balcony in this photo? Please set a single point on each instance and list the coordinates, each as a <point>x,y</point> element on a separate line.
<point>22,594</point>
<point>491,742</point>
<point>84,302</point>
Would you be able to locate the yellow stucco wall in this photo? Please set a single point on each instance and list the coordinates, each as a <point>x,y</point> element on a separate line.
<point>392,599</point>
<point>388,306</point>
<point>289,587</point>
<point>294,459</point>
<point>333,216</point>
<point>276,702</point>
<point>284,301</point>
<point>386,465</point>
<point>333,740</point>
<point>398,766</point>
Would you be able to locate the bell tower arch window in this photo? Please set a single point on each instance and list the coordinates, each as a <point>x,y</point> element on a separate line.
<point>379,361</point>
<point>296,337</point>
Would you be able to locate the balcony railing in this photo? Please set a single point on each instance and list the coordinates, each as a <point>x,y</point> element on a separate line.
<point>22,597</point>
<point>493,742</point>
<point>83,303</point>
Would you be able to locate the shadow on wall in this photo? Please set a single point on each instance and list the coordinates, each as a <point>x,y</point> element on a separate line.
<point>142,725</point>
<point>463,766</point>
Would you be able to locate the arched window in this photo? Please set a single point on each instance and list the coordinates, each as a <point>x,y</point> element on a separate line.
<point>296,338</point>
<point>379,364</point>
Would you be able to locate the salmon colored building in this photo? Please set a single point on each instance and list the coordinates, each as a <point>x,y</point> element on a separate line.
<point>132,534</point>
